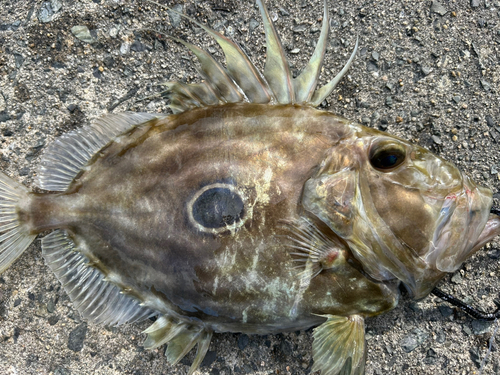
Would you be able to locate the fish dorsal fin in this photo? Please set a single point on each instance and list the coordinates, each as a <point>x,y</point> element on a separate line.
<point>306,82</point>
<point>181,338</point>
<point>339,346</point>
<point>276,70</point>
<point>96,299</point>
<point>65,158</point>
<point>243,82</point>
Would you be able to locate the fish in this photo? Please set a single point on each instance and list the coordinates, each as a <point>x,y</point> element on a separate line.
<point>248,210</point>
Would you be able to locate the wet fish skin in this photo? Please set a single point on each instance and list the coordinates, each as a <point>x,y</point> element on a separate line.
<point>268,157</point>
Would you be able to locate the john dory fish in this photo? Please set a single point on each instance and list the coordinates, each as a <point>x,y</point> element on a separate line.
<point>246,211</point>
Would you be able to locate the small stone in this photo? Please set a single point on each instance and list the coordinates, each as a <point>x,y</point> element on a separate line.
<point>295,51</point>
<point>493,170</point>
<point>486,85</point>
<point>474,3</point>
<point>440,337</point>
<point>51,307</point>
<point>416,338</point>
<point>436,140</point>
<point>490,121</point>
<point>456,278</point>
<point>479,326</point>
<point>445,311</point>
<point>72,108</point>
<point>475,356</point>
<point>76,337</point>
<point>253,24</point>
<point>46,13</point>
<point>388,101</point>
<point>300,28</point>
<point>375,56</point>
<point>426,70</point>
<point>82,33</point>
<point>494,254</point>
<point>113,32</point>
<point>454,138</point>
<point>457,99</point>
<point>467,330</point>
<point>243,341</point>
<point>175,17</point>
<point>53,319</point>
<point>137,46</point>
<point>438,8</point>
<point>481,23</point>
<point>125,48</point>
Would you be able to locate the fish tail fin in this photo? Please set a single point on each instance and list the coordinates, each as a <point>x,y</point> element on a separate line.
<point>15,236</point>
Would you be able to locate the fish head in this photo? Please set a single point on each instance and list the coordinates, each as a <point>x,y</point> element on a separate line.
<point>404,212</point>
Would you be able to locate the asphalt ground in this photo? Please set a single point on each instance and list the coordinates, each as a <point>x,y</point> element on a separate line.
<point>426,71</point>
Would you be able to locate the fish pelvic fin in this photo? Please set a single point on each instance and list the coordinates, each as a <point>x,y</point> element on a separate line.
<point>241,80</point>
<point>181,337</point>
<point>15,234</point>
<point>339,346</point>
<point>96,299</point>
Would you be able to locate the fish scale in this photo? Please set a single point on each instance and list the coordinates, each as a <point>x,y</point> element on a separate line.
<point>184,216</point>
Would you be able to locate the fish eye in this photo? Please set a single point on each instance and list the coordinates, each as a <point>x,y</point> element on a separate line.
<point>386,156</point>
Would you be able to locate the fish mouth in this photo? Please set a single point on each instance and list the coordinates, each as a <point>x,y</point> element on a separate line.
<point>490,231</point>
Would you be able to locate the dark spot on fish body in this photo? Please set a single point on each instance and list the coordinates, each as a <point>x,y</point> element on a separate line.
<point>218,207</point>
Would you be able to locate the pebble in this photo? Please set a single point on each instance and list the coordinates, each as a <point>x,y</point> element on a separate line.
<point>3,103</point>
<point>125,48</point>
<point>490,121</point>
<point>300,28</point>
<point>416,338</point>
<point>48,10</point>
<point>438,8</point>
<point>175,18</point>
<point>486,85</point>
<point>426,70</point>
<point>436,140</point>
<point>82,33</point>
<point>445,311</point>
<point>253,24</point>
<point>474,3</point>
<point>76,337</point>
<point>243,341</point>
<point>457,99</point>
<point>456,278</point>
<point>295,51</point>
<point>479,327</point>
<point>375,56</point>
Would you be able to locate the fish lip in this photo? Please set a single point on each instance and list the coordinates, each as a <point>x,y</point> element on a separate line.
<point>490,231</point>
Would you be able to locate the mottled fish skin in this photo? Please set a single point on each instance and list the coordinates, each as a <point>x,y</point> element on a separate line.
<point>137,229</point>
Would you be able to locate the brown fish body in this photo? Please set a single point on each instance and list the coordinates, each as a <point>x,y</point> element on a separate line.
<point>129,213</point>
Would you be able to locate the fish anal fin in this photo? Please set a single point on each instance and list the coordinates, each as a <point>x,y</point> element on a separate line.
<point>180,337</point>
<point>96,299</point>
<point>339,346</point>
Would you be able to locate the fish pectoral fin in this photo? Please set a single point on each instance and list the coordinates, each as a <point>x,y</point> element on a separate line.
<point>95,298</point>
<point>181,337</point>
<point>339,346</point>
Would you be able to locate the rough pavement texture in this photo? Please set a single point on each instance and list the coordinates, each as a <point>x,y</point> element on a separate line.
<point>427,71</point>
